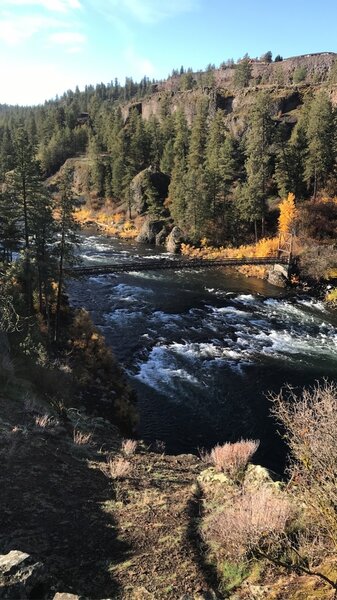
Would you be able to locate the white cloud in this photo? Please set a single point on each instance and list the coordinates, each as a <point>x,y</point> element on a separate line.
<point>33,83</point>
<point>16,30</point>
<point>62,6</point>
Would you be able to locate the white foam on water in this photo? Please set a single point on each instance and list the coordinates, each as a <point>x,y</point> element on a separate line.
<point>161,373</point>
<point>123,316</point>
<point>124,291</point>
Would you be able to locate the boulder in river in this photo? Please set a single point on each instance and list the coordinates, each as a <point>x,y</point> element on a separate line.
<point>174,240</point>
<point>149,231</point>
<point>278,276</point>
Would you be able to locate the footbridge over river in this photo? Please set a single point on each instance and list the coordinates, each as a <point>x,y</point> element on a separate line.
<point>172,263</point>
<point>283,258</point>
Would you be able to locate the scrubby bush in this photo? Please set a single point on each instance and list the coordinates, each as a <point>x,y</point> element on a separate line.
<point>251,521</point>
<point>129,447</point>
<point>233,458</point>
<point>310,422</point>
<point>300,74</point>
<point>118,468</point>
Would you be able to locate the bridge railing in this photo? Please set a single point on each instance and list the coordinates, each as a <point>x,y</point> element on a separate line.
<point>149,265</point>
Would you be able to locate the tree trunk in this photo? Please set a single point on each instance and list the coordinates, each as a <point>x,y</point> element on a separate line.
<point>59,289</point>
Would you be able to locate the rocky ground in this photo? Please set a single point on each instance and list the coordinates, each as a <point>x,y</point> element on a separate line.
<point>86,533</point>
<point>68,527</point>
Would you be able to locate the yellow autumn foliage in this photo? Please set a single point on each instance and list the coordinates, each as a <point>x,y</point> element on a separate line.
<point>288,214</point>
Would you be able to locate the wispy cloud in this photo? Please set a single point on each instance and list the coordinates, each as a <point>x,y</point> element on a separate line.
<point>72,41</point>
<point>18,29</point>
<point>62,6</point>
<point>138,65</point>
<point>145,11</point>
<point>152,11</point>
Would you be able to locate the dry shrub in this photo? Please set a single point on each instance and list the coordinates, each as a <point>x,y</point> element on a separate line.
<point>82,439</point>
<point>129,447</point>
<point>253,520</point>
<point>118,468</point>
<point>45,421</point>
<point>310,422</point>
<point>233,458</point>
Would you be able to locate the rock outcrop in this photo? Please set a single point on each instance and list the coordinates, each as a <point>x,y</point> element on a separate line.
<point>21,576</point>
<point>159,181</point>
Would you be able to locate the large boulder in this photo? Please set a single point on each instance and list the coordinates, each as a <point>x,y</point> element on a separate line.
<point>149,232</point>
<point>159,181</point>
<point>278,276</point>
<point>174,240</point>
<point>21,576</point>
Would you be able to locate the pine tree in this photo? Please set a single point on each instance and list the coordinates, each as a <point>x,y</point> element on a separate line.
<point>65,250</point>
<point>320,159</point>
<point>167,159</point>
<point>177,190</point>
<point>196,156</point>
<point>243,73</point>
<point>258,164</point>
<point>10,234</point>
<point>43,229</point>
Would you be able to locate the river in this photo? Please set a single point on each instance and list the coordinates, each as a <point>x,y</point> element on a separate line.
<point>204,348</point>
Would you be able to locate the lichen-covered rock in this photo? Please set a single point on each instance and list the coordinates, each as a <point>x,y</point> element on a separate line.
<point>20,576</point>
<point>257,476</point>
<point>174,240</point>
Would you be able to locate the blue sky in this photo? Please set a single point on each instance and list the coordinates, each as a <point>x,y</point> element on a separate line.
<point>49,46</point>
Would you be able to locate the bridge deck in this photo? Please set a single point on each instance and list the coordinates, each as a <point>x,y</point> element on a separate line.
<point>164,263</point>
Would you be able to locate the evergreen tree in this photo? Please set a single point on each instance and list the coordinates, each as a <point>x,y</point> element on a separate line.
<point>65,249</point>
<point>43,229</point>
<point>167,159</point>
<point>243,73</point>
<point>177,192</point>
<point>10,234</point>
<point>198,205</point>
<point>320,160</point>
<point>196,156</point>
<point>258,163</point>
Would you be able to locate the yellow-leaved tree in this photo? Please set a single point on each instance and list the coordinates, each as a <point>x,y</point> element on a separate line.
<point>288,214</point>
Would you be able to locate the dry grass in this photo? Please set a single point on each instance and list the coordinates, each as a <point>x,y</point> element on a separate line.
<point>129,447</point>
<point>232,459</point>
<point>118,468</point>
<point>82,439</point>
<point>252,520</point>
<point>45,421</point>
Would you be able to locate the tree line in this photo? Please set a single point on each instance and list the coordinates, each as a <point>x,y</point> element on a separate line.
<point>40,229</point>
<point>221,184</point>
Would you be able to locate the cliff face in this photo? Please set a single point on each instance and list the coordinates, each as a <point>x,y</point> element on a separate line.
<point>277,78</point>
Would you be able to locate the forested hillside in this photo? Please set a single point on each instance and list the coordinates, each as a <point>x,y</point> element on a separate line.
<point>230,141</point>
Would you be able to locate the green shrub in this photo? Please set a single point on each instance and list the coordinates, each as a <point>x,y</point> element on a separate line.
<point>233,575</point>
<point>300,74</point>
